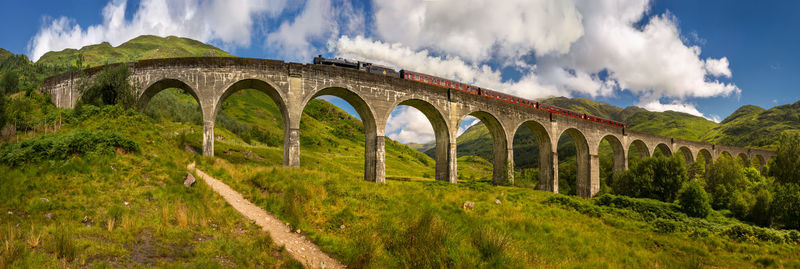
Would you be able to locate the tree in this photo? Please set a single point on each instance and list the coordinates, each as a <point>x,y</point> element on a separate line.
<point>724,180</point>
<point>654,177</point>
<point>9,83</point>
<point>786,167</point>
<point>786,206</point>
<point>109,87</point>
<point>694,200</point>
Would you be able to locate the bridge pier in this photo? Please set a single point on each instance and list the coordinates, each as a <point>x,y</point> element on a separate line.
<point>375,160</point>
<point>548,170</point>
<point>594,174</point>
<point>208,137</point>
<point>291,147</point>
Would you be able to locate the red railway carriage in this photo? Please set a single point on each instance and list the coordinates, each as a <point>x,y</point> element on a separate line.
<point>446,83</point>
<point>437,81</point>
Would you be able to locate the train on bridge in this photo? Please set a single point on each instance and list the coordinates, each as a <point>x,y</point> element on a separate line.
<point>463,87</point>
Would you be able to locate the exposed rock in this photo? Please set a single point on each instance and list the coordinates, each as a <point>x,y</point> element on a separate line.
<point>190,149</point>
<point>468,205</point>
<point>298,231</point>
<point>44,199</point>
<point>189,180</point>
<point>49,216</point>
<point>342,226</point>
<point>497,201</point>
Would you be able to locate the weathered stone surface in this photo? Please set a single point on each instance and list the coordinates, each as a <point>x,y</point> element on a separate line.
<point>468,205</point>
<point>291,85</point>
<point>189,180</point>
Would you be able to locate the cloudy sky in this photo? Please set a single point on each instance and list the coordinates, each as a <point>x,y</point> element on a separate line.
<point>705,58</point>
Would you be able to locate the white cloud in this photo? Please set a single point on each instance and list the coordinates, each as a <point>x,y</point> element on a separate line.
<point>718,67</point>
<point>573,43</point>
<point>293,39</point>
<point>407,125</point>
<point>477,29</point>
<point>657,106</point>
<point>230,22</point>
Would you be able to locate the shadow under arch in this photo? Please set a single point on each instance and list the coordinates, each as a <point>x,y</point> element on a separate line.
<point>545,147</point>
<point>583,184</point>
<point>744,159</point>
<point>617,151</point>
<point>372,171</point>
<point>442,155</point>
<point>688,157</point>
<point>706,156</point>
<point>664,149</point>
<point>641,151</point>
<point>761,162</point>
<point>502,166</point>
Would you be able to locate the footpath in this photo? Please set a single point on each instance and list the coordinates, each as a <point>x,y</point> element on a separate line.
<point>296,244</point>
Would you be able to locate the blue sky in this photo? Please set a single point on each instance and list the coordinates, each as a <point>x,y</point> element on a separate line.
<point>701,57</point>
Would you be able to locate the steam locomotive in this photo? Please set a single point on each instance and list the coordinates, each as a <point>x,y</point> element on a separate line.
<point>470,89</point>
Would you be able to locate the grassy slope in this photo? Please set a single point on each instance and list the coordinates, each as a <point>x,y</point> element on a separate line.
<point>124,209</point>
<point>142,47</point>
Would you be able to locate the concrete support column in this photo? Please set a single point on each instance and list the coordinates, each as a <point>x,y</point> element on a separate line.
<point>548,170</point>
<point>583,173</point>
<point>594,174</point>
<point>208,137</point>
<point>374,159</point>
<point>620,163</point>
<point>291,147</point>
<point>503,173</point>
<point>452,163</point>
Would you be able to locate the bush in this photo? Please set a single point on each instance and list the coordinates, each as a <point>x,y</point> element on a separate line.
<point>665,226</point>
<point>63,145</point>
<point>574,203</point>
<point>786,206</point>
<point>786,166</point>
<point>694,200</point>
<point>655,177</point>
<point>108,87</point>
<point>647,209</point>
<point>724,178</point>
<point>760,213</point>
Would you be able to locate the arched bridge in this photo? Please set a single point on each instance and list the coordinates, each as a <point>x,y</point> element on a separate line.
<point>293,85</point>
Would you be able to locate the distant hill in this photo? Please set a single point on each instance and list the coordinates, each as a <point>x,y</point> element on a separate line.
<point>754,126</point>
<point>139,48</point>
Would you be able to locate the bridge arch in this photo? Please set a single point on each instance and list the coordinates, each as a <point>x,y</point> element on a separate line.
<point>547,181</point>
<point>688,156</point>
<point>706,154</point>
<point>726,154</point>
<point>641,150</point>
<point>265,87</point>
<point>444,157</point>
<point>664,149</point>
<point>156,87</point>
<point>584,186</point>
<point>743,159</point>
<point>165,83</point>
<point>619,156</point>
<point>502,153</point>
<point>759,160</point>
<point>373,159</point>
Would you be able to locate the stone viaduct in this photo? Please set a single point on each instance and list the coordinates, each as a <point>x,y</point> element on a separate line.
<point>291,86</point>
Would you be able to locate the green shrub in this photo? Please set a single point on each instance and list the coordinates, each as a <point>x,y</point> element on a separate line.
<point>694,200</point>
<point>665,226</point>
<point>724,180</point>
<point>108,87</point>
<point>761,213</point>
<point>656,177</point>
<point>786,205</point>
<point>647,209</point>
<point>574,203</point>
<point>61,146</point>
<point>491,244</point>
<point>786,163</point>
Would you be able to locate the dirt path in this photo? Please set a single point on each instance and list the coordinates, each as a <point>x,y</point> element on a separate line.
<point>297,245</point>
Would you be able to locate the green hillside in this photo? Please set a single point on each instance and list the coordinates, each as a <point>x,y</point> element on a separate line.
<point>756,127</point>
<point>140,48</point>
